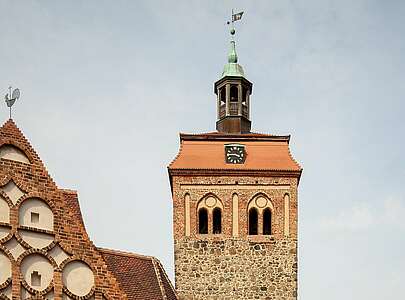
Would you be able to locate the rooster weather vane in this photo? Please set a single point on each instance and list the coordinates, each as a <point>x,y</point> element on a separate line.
<point>11,97</point>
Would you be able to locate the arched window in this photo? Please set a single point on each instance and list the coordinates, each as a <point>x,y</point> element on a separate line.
<point>234,93</point>
<point>209,215</point>
<point>253,218</point>
<point>222,95</point>
<point>216,220</point>
<point>267,221</point>
<point>260,208</point>
<point>202,221</point>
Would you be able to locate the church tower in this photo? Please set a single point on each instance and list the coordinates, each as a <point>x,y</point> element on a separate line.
<point>235,204</point>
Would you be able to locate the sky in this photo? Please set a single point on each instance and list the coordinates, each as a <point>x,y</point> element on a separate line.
<point>106,86</point>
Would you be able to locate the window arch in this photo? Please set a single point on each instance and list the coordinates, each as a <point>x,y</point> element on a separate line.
<point>253,221</point>
<point>209,210</point>
<point>36,213</point>
<point>267,221</point>
<point>216,220</point>
<point>202,221</point>
<point>11,152</point>
<point>260,211</point>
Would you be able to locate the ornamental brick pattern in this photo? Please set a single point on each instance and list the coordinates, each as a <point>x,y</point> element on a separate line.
<point>65,248</point>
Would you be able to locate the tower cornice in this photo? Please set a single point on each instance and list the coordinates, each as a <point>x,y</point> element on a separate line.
<point>235,137</point>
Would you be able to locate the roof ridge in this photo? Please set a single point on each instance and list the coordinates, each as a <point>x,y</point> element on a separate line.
<point>159,280</point>
<point>165,274</point>
<point>125,253</point>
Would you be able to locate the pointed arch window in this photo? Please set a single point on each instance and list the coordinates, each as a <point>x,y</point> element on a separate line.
<point>216,220</point>
<point>267,221</point>
<point>209,215</point>
<point>260,214</point>
<point>202,221</point>
<point>253,221</point>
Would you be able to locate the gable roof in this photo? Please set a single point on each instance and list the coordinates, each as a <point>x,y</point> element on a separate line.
<point>10,134</point>
<point>141,277</point>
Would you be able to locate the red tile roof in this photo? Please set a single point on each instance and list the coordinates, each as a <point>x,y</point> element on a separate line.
<point>206,151</point>
<point>141,277</point>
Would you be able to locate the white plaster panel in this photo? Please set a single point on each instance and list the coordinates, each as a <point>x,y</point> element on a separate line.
<point>78,278</point>
<point>58,254</point>
<point>5,268</point>
<point>36,240</point>
<point>66,297</point>
<point>287,215</point>
<point>4,231</point>
<point>12,191</point>
<point>7,291</point>
<point>37,263</point>
<point>4,211</point>
<point>39,207</point>
<point>235,215</point>
<point>210,201</point>
<point>235,186</point>
<point>14,247</point>
<point>50,296</point>
<point>187,214</point>
<point>24,293</point>
<point>13,153</point>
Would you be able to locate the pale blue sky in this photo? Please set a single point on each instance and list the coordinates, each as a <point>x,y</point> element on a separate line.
<point>107,85</point>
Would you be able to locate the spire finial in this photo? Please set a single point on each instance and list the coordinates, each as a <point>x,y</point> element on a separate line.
<point>232,56</point>
<point>232,68</point>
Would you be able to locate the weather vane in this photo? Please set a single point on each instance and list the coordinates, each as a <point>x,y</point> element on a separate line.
<point>11,97</point>
<point>234,18</point>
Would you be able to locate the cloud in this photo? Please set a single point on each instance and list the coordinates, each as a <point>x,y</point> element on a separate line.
<point>363,216</point>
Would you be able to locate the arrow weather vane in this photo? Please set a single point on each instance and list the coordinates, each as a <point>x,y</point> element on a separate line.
<point>11,97</point>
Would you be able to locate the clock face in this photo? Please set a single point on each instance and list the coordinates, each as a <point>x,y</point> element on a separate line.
<point>234,154</point>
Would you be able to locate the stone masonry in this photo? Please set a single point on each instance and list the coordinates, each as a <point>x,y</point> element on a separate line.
<point>225,266</point>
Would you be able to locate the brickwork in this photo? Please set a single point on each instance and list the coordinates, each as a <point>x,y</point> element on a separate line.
<point>223,266</point>
<point>69,232</point>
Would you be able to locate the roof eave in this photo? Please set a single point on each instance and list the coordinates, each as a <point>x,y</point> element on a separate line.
<point>239,137</point>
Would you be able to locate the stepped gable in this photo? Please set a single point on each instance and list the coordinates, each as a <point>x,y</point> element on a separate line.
<point>141,277</point>
<point>40,222</point>
<point>263,152</point>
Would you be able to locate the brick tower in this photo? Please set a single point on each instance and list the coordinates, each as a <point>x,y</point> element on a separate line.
<point>235,204</point>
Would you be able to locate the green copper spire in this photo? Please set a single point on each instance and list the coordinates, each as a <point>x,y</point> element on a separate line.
<point>232,56</point>
<point>232,68</point>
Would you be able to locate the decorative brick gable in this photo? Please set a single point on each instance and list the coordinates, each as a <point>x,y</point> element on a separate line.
<point>42,236</point>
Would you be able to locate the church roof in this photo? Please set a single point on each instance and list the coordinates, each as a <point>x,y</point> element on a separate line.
<point>264,152</point>
<point>141,277</point>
